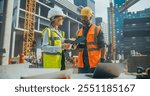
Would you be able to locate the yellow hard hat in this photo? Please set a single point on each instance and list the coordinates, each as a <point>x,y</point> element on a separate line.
<point>86,11</point>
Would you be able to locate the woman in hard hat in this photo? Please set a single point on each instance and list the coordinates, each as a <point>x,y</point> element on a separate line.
<point>53,38</point>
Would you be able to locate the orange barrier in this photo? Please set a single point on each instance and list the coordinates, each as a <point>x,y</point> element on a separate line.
<point>21,58</point>
<point>9,61</point>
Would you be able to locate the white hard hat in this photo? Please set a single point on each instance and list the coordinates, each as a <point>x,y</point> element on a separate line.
<point>55,12</point>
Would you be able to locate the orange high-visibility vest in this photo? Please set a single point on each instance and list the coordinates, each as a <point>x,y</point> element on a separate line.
<point>94,53</point>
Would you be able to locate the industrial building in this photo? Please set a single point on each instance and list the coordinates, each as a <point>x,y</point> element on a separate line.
<point>138,20</point>
<point>70,26</point>
<point>136,36</point>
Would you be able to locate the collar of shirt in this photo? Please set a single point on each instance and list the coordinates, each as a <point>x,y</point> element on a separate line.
<point>87,26</point>
<point>58,32</point>
<point>86,29</point>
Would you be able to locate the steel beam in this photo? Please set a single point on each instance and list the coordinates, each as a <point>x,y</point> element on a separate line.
<point>127,5</point>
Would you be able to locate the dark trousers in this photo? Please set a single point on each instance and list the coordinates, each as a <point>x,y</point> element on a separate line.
<point>63,66</point>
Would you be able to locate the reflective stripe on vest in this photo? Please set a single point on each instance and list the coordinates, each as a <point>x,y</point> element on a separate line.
<point>95,37</point>
<point>63,34</point>
<point>58,53</point>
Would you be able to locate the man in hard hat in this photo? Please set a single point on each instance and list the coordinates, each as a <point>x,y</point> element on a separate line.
<point>53,38</point>
<point>92,51</point>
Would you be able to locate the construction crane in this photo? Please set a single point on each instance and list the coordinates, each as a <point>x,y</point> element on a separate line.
<point>29,26</point>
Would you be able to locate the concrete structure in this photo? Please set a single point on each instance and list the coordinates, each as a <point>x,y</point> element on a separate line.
<point>1,19</point>
<point>6,29</point>
<point>70,26</point>
<point>136,36</point>
<point>98,20</point>
<point>90,3</point>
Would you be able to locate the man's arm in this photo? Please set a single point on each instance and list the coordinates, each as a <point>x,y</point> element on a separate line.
<point>100,40</point>
<point>101,45</point>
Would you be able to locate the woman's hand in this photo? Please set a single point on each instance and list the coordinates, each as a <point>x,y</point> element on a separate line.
<point>66,46</point>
